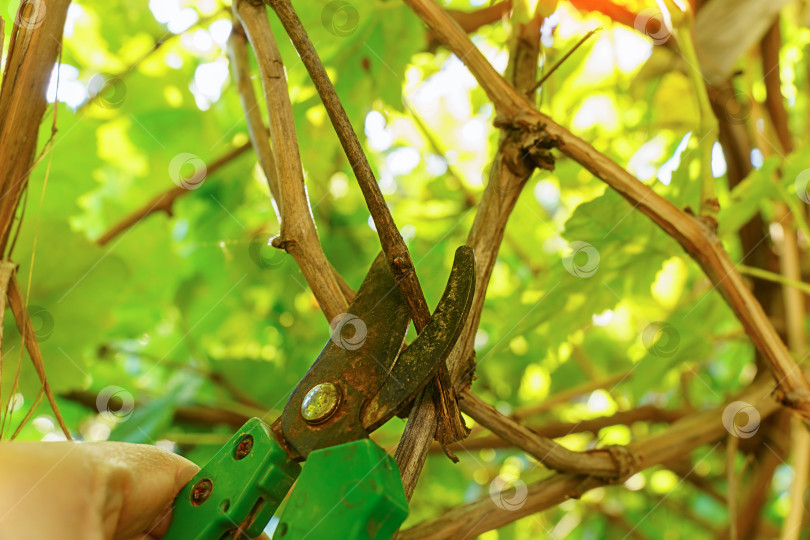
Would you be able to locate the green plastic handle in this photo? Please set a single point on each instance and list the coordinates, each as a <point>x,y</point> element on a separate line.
<point>351,491</point>
<point>237,491</point>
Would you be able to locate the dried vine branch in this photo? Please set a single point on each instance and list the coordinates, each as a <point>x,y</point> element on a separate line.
<point>697,237</point>
<point>238,54</point>
<point>599,463</point>
<point>33,50</point>
<point>790,269</point>
<point>7,268</point>
<point>679,439</point>
<point>755,497</point>
<point>555,430</point>
<point>451,426</point>
<point>392,243</point>
<point>508,175</point>
<point>298,235</point>
<point>470,21</point>
<point>28,332</point>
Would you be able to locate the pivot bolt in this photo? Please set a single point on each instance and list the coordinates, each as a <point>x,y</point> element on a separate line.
<point>320,403</point>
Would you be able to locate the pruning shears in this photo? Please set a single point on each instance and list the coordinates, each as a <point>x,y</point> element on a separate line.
<point>349,487</point>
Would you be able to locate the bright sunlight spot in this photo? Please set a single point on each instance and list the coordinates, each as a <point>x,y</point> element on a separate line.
<point>666,170</point>
<point>596,110</point>
<point>71,92</point>
<point>602,319</point>
<point>208,81</point>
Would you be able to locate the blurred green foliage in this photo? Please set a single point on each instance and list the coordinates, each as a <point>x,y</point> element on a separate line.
<point>175,305</point>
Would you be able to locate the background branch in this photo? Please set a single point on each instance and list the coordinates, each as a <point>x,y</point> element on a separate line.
<point>259,135</point>
<point>556,430</point>
<point>164,201</point>
<point>507,176</point>
<point>29,337</point>
<point>599,463</point>
<point>679,439</point>
<point>203,415</point>
<point>696,237</point>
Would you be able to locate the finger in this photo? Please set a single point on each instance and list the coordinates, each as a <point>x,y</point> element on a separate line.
<point>145,480</point>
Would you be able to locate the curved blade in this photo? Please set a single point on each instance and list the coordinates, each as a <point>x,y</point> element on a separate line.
<point>356,360</point>
<point>420,361</point>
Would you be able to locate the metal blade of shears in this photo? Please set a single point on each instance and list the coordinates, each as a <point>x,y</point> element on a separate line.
<point>417,364</point>
<point>349,369</point>
<point>360,379</point>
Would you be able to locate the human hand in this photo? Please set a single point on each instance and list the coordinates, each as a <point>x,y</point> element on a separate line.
<point>88,491</point>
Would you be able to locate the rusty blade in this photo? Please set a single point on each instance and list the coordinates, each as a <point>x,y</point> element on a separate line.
<point>420,361</point>
<point>356,359</point>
